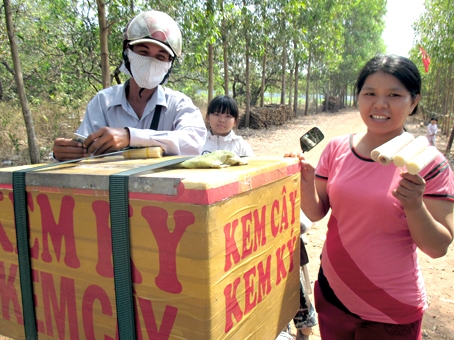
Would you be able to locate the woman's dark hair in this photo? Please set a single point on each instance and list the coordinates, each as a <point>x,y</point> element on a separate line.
<point>400,67</point>
<point>223,104</point>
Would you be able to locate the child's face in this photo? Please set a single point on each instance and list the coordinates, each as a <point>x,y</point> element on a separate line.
<point>433,122</point>
<point>221,123</point>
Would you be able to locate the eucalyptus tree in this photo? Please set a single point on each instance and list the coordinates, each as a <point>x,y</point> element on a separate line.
<point>5,71</point>
<point>363,25</point>
<point>31,136</point>
<point>436,35</point>
<point>323,41</point>
<point>196,68</point>
<point>435,32</point>
<point>297,33</point>
<point>103,39</point>
<point>111,18</point>
<point>265,27</point>
<point>210,18</point>
<point>243,40</point>
<point>58,45</point>
<point>247,25</point>
<point>265,51</point>
<point>289,32</point>
<point>284,41</point>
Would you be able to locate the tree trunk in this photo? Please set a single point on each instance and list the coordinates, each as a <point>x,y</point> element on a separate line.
<point>226,67</point>
<point>284,69</point>
<point>248,89</point>
<point>344,95</point>
<point>436,92</point>
<point>210,72</point>
<point>449,102</point>
<point>262,89</point>
<point>296,72</point>
<point>449,144</point>
<point>290,88</point>
<point>225,47</point>
<point>327,96</point>
<point>444,101</point>
<point>316,94</point>
<point>248,86</point>
<point>295,93</point>
<point>103,38</point>
<point>308,84</point>
<point>32,142</point>
<point>209,14</point>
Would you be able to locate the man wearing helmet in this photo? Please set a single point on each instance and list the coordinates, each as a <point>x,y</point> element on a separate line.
<point>141,112</point>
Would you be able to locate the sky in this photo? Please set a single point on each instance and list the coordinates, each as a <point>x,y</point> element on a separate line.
<point>398,34</point>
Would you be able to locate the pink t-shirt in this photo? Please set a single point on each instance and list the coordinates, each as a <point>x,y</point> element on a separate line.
<point>369,257</point>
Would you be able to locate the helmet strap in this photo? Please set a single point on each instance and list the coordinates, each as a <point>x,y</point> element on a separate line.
<point>125,57</point>
<point>166,77</point>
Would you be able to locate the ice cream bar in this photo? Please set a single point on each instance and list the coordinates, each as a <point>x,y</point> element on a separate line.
<point>385,152</point>
<point>418,145</point>
<point>420,161</point>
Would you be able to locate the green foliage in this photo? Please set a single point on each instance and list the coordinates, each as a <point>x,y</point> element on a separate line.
<point>363,25</point>
<point>435,33</point>
<point>60,51</point>
<point>59,42</point>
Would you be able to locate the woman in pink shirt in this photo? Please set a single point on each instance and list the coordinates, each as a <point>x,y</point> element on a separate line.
<point>370,285</point>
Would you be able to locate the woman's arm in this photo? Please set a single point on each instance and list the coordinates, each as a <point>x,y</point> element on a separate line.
<point>431,227</point>
<point>315,203</point>
<point>430,221</point>
<point>314,199</point>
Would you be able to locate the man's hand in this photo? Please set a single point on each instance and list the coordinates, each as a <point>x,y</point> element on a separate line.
<point>67,149</point>
<point>107,140</point>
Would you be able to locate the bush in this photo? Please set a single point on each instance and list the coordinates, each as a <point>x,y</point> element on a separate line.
<point>50,121</point>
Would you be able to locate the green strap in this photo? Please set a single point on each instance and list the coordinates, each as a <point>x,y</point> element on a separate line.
<point>121,256</point>
<point>121,247</point>
<point>23,253</point>
<point>23,249</point>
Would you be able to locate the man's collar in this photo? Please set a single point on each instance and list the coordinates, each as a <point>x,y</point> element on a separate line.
<point>159,96</point>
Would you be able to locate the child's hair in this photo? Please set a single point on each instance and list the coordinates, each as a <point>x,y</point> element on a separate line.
<point>223,104</point>
<point>400,67</point>
<point>434,118</point>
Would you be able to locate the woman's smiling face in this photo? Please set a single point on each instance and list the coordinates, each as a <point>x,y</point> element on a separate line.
<point>384,103</point>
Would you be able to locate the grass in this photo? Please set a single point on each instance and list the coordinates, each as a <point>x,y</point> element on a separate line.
<point>50,121</point>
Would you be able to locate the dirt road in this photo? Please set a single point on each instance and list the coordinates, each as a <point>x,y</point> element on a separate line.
<point>438,274</point>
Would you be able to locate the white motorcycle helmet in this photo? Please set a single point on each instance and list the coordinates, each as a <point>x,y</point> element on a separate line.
<point>153,27</point>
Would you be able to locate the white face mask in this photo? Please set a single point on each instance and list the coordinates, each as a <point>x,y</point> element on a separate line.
<point>148,72</point>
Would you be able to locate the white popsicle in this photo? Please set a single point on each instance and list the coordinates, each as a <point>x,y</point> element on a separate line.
<point>148,152</point>
<point>418,145</point>
<point>385,152</point>
<point>420,161</point>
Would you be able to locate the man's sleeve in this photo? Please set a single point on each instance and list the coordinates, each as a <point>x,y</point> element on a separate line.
<point>183,131</point>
